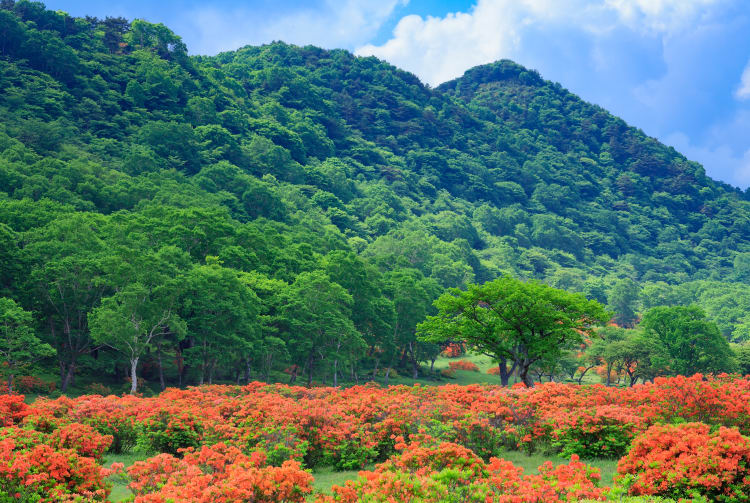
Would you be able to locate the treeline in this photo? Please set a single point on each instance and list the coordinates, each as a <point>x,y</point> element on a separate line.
<point>291,208</point>
<point>197,296</point>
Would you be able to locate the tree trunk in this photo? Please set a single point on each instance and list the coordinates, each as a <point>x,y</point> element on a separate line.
<point>506,372</point>
<point>211,371</point>
<point>387,375</point>
<point>583,374</point>
<point>69,371</point>
<point>309,370</point>
<point>414,365</point>
<point>62,375</point>
<point>375,370</point>
<point>133,376</point>
<point>161,367</point>
<point>247,370</point>
<point>204,362</point>
<point>10,383</point>
<point>524,373</point>
<point>180,361</point>
<point>336,365</point>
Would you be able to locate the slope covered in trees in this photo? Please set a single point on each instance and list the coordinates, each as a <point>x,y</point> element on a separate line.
<point>230,213</point>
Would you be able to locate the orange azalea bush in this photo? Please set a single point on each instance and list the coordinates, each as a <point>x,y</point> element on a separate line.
<point>454,350</point>
<point>218,473</point>
<point>450,472</point>
<point>82,438</point>
<point>213,438</point>
<point>689,461</point>
<point>33,384</point>
<point>36,467</point>
<point>449,373</point>
<point>463,365</point>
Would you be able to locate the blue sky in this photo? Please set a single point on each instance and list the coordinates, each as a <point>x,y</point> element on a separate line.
<point>678,69</point>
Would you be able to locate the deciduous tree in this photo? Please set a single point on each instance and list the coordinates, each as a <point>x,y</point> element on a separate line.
<point>510,319</point>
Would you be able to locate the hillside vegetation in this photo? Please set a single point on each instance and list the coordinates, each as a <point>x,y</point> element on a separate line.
<point>245,207</point>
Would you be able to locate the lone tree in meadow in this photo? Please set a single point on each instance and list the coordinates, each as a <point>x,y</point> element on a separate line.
<point>514,322</point>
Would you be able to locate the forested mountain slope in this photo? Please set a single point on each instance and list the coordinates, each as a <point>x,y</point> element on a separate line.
<point>131,170</point>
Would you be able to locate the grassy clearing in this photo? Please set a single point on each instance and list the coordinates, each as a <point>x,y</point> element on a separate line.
<point>531,462</point>
<point>120,491</point>
<point>326,477</point>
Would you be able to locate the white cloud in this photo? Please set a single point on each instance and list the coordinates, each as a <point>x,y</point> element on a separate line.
<point>441,48</point>
<point>663,16</point>
<point>743,91</point>
<point>438,49</point>
<point>334,24</point>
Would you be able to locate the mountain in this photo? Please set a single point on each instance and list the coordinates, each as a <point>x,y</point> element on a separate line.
<point>278,161</point>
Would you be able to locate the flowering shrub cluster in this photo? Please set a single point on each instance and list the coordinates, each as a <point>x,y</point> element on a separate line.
<point>218,473</point>
<point>32,384</point>
<point>689,461</point>
<point>241,442</point>
<point>35,466</point>
<point>450,472</point>
<point>463,365</point>
<point>454,350</point>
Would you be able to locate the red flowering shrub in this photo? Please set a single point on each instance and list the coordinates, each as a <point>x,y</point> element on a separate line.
<point>82,438</point>
<point>169,431</point>
<point>601,432</point>
<point>687,461</point>
<point>279,442</point>
<point>453,350</point>
<point>12,409</point>
<point>110,415</point>
<point>41,473</point>
<point>463,365</point>
<point>96,388</point>
<point>211,438</point>
<point>450,472</point>
<point>449,373</point>
<point>32,384</point>
<point>217,474</point>
<point>493,371</point>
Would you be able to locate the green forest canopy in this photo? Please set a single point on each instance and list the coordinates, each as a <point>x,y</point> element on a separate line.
<point>278,168</point>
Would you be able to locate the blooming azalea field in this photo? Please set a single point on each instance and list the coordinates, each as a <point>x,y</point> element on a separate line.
<point>678,438</point>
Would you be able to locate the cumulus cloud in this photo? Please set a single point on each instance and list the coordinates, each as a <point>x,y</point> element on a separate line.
<point>438,49</point>
<point>330,24</point>
<point>441,48</point>
<point>743,91</point>
<point>664,16</point>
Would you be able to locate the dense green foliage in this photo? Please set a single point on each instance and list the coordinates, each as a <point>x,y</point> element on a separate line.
<point>524,323</point>
<point>332,197</point>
